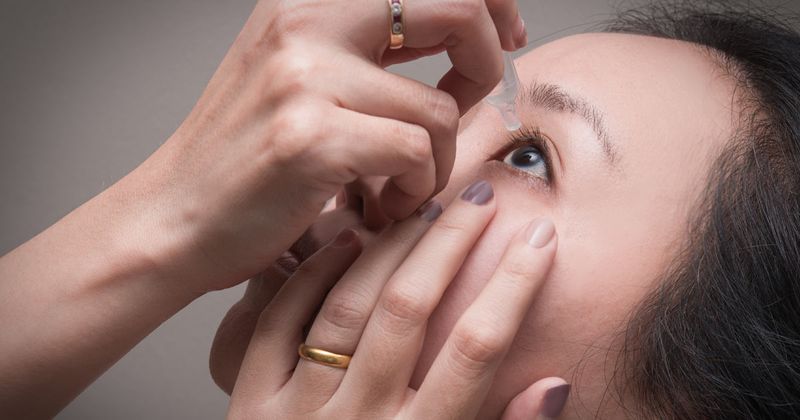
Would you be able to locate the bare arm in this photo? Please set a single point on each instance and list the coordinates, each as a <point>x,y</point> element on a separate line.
<point>78,296</point>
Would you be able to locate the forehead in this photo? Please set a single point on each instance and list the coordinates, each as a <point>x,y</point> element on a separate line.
<point>656,95</point>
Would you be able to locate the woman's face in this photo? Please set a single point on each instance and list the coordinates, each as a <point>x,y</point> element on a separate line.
<point>630,125</point>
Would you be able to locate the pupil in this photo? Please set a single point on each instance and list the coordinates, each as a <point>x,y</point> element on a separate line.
<point>525,157</point>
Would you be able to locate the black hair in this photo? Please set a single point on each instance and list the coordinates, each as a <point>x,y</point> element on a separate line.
<point>720,336</point>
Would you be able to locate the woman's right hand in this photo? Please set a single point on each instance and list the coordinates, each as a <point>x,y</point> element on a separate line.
<point>376,306</point>
<point>302,106</point>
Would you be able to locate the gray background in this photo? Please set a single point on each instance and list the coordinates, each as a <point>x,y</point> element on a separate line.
<point>88,89</point>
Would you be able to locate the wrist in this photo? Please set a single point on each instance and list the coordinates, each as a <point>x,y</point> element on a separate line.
<point>149,237</point>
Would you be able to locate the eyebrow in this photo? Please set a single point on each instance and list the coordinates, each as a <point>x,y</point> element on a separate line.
<point>555,98</point>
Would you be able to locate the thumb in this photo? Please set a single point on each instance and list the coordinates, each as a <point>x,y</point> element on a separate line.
<point>544,400</point>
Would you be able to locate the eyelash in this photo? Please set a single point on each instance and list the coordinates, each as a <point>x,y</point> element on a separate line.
<point>526,136</point>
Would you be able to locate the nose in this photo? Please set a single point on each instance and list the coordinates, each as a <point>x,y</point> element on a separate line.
<point>363,197</point>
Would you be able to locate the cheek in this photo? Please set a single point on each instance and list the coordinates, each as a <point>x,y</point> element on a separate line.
<point>585,299</point>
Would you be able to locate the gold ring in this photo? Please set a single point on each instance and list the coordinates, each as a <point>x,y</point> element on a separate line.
<point>323,357</point>
<point>397,25</point>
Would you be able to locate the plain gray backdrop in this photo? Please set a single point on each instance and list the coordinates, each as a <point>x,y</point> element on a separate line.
<point>89,89</point>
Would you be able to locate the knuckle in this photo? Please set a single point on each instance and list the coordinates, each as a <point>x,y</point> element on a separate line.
<point>346,314</point>
<point>476,347</point>
<point>298,64</point>
<point>267,326</point>
<point>404,310</point>
<point>294,71</point>
<point>294,130</point>
<point>449,228</point>
<point>518,269</point>
<point>418,144</point>
<point>445,112</point>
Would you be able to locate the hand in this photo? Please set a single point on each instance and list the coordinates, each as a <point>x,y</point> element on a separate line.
<point>300,107</point>
<point>378,309</point>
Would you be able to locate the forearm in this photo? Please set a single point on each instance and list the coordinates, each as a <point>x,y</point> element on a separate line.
<point>77,297</point>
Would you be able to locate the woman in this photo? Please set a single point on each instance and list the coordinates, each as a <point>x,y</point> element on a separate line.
<point>614,112</point>
<point>671,165</point>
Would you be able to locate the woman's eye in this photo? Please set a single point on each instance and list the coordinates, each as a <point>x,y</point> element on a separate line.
<point>528,159</point>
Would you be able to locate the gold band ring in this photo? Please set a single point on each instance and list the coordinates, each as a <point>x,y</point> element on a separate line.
<point>397,25</point>
<point>323,357</point>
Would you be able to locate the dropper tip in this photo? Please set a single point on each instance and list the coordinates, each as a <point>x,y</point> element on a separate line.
<point>510,117</point>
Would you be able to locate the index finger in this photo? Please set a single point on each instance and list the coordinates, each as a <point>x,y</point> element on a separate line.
<point>468,32</point>
<point>483,334</point>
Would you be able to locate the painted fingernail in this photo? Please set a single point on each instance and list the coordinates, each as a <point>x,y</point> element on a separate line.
<point>540,232</point>
<point>478,193</point>
<point>554,401</point>
<point>430,211</point>
<point>345,238</point>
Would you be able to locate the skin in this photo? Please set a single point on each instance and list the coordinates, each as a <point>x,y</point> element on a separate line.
<point>397,285</point>
<point>228,193</point>
<point>667,110</point>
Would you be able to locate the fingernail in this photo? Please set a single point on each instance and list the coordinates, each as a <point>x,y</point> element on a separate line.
<point>554,401</point>
<point>430,211</point>
<point>345,238</point>
<point>524,35</point>
<point>540,232</point>
<point>520,33</point>
<point>478,193</point>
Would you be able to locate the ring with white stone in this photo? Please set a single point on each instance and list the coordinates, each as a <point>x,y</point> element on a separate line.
<point>397,28</point>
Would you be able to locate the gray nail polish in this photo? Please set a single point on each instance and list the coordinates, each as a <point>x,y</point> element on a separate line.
<point>554,400</point>
<point>430,211</point>
<point>478,193</point>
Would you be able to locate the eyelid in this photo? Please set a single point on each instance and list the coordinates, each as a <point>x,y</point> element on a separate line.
<point>527,136</point>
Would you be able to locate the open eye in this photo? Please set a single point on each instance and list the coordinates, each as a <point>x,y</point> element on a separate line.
<point>528,158</point>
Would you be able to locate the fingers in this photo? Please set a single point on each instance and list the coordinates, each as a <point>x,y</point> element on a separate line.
<point>510,28</point>
<point>544,400</point>
<point>402,55</point>
<point>466,29</point>
<point>362,196</point>
<point>272,353</point>
<point>383,94</point>
<point>478,343</point>
<point>341,320</point>
<point>233,334</point>
<point>509,24</point>
<point>334,146</point>
<point>389,348</point>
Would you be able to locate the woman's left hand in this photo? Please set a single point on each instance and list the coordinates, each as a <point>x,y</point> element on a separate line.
<point>378,311</point>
